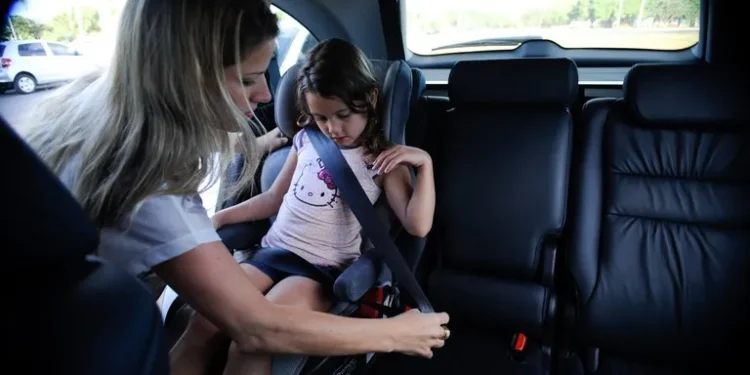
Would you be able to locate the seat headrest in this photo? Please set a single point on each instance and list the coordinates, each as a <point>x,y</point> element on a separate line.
<point>687,94</point>
<point>517,81</point>
<point>42,221</point>
<point>395,80</point>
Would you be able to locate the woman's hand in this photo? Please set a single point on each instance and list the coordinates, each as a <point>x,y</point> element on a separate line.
<point>418,334</point>
<point>389,159</point>
<point>271,141</point>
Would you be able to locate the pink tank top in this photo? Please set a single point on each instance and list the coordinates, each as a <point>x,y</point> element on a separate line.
<point>313,221</point>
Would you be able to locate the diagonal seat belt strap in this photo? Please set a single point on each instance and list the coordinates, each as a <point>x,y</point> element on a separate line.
<point>350,189</point>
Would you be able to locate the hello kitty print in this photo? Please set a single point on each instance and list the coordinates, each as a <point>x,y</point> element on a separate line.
<point>314,221</point>
<point>315,185</point>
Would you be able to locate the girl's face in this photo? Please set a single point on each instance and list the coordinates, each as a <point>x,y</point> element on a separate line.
<point>337,120</point>
<point>251,88</point>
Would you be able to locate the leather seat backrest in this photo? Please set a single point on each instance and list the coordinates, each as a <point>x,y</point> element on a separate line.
<point>661,218</point>
<point>501,174</point>
<point>509,149</point>
<point>70,312</point>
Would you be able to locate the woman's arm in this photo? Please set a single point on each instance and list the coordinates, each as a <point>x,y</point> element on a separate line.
<point>261,206</point>
<point>209,279</point>
<point>414,205</point>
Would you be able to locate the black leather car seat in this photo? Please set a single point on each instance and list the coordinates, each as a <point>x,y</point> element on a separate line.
<point>660,245</point>
<point>501,165</point>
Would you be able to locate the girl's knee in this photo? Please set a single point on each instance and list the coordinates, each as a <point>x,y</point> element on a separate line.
<point>244,362</point>
<point>300,292</point>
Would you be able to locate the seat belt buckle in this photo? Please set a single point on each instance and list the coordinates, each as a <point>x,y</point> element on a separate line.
<point>518,347</point>
<point>371,302</point>
<point>379,302</point>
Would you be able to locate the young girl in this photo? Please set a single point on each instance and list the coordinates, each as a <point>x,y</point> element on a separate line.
<point>316,235</point>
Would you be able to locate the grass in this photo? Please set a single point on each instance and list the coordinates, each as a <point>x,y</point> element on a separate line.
<point>667,40</point>
<point>664,40</point>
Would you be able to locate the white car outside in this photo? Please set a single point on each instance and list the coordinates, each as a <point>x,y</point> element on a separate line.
<point>28,64</point>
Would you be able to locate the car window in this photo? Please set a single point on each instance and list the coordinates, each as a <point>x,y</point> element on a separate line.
<point>2,49</point>
<point>310,42</point>
<point>293,42</point>
<point>31,49</point>
<point>438,27</point>
<point>61,50</point>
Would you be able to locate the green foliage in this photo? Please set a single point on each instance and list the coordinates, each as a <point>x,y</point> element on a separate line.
<point>63,27</point>
<point>67,26</point>
<point>25,29</point>
<point>674,10</point>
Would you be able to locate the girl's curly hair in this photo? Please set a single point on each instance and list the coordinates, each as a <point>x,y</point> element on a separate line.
<point>337,69</point>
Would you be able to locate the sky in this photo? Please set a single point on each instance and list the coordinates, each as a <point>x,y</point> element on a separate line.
<point>44,10</point>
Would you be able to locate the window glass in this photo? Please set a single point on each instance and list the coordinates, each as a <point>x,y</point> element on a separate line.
<point>293,42</point>
<point>437,27</point>
<point>61,50</point>
<point>31,49</point>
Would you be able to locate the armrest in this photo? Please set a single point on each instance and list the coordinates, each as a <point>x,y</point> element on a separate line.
<point>358,278</point>
<point>243,235</point>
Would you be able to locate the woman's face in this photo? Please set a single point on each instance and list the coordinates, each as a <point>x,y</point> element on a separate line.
<point>250,88</point>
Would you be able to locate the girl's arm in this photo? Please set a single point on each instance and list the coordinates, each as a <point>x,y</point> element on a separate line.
<point>261,206</point>
<point>414,205</point>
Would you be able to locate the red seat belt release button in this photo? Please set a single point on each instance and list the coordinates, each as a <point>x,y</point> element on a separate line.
<point>519,342</point>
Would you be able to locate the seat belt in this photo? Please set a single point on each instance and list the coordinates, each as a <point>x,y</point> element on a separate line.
<point>350,189</point>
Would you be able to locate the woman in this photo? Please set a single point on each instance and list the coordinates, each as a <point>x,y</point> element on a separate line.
<point>133,144</point>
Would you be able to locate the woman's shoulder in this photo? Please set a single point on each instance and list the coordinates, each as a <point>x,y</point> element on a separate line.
<point>161,227</point>
<point>173,214</point>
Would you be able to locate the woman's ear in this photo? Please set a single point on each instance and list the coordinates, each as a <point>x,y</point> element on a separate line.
<point>374,98</point>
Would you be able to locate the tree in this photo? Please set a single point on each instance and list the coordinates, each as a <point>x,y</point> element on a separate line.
<point>25,29</point>
<point>580,11</point>
<point>67,26</point>
<point>673,11</point>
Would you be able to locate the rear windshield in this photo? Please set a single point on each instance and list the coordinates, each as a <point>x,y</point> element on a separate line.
<point>2,49</point>
<point>435,27</point>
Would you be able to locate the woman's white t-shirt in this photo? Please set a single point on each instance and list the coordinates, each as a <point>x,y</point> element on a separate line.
<point>163,227</point>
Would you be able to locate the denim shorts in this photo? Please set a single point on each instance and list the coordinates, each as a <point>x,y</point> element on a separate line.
<point>279,264</point>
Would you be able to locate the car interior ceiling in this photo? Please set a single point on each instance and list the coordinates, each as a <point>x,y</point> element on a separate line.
<point>583,225</point>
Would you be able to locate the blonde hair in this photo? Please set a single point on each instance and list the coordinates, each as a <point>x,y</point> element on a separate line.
<point>154,120</point>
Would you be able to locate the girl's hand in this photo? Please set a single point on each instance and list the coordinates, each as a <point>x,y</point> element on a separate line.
<point>389,159</point>
<point>417,334</point>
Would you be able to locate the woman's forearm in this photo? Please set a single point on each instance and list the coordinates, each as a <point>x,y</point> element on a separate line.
<point>209,279</point>
<point>291,330</point>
